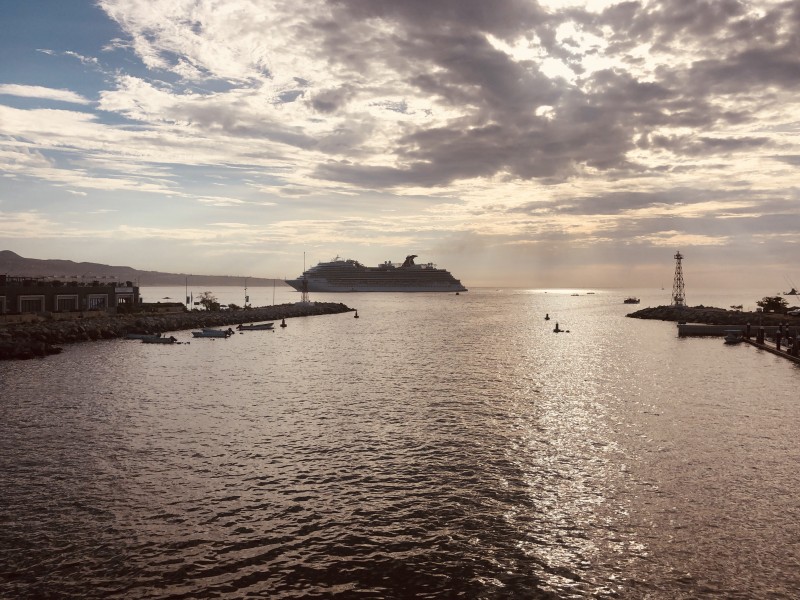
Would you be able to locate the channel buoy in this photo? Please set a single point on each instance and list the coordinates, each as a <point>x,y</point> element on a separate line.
<point>547,317</point>
<point>283,322</point>
<point>355,316</point>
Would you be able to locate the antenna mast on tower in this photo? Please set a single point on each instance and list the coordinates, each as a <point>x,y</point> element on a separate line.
<point>678,293</point>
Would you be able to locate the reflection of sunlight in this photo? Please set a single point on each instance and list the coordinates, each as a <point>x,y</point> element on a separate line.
<point>564,447</point>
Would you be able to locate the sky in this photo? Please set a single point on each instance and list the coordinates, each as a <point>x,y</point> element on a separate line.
<point>512,142</point>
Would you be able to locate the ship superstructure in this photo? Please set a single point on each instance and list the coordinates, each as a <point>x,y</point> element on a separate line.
<point>348,275</point>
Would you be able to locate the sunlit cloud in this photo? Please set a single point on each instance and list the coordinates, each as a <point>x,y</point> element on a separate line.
<point>42,93</point>
<point>676,239</point>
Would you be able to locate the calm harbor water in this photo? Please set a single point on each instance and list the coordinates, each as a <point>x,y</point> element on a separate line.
<point>439,446</point>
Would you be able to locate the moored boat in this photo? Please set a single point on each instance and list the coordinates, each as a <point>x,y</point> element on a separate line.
<point>213,333</point>
<point>631,300</point>
<point>256,327</point>
<point>733,336</point>
<point>159,340</point>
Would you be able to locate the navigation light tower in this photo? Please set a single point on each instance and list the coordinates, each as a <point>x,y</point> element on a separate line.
<point>678,294</point>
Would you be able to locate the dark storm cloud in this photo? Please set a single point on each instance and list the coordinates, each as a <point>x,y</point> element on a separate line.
<point>790,159</point>
<point>502,18</point>
<point>616,203</point>
<point>328,101</point>
<point>241,123</point>
<point>501,131</point>
<point>704,146</point>
<point>542,150</point>
<point>441,49</point>
<point>665,23</point>
<point>743,48</point>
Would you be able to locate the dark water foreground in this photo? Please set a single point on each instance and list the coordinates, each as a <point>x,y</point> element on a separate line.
<point>436,447</point>
<point>43,337</point>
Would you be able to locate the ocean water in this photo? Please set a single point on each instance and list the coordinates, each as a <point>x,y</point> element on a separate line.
<point>440,446</point>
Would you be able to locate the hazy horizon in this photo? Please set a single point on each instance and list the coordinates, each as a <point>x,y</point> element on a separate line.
<point>702,285</point>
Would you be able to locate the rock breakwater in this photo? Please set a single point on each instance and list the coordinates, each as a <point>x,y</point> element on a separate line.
<point>710,315</point>
<point>41,338</point>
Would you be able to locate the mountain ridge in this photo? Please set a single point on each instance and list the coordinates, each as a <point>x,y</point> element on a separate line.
<point>14,265</point>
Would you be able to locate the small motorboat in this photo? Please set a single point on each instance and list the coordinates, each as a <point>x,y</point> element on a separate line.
<point>159,340</point>
<point>631,300</point>
<point>733,336</point>
<point>258,327</point>
<point>213,333</point>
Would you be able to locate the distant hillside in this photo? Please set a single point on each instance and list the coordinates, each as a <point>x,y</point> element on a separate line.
<point>17,266</point>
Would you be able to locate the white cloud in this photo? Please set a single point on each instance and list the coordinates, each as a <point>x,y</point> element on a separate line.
<point>43,93</point>
<point>677,239</point>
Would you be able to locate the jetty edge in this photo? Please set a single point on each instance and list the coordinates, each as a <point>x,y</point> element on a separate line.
<point>710,315</point>
<point>41,337</point>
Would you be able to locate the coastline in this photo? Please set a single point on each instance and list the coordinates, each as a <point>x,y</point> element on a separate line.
<point>41,338</point>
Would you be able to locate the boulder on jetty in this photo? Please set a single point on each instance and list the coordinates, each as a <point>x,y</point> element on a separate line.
<point>43,336</point>
<point>710,315</point>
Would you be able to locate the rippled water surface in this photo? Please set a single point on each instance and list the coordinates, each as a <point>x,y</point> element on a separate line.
<point>439,446</point>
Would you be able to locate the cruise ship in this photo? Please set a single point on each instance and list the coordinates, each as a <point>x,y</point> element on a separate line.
<point>349,275</point>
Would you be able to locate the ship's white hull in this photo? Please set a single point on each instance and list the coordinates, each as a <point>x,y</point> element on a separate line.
<point>323,285</point>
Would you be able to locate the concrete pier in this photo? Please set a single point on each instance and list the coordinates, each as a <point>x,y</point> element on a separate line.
<point>781,340</point>
<point>700,329</point>
<point>789,354</point>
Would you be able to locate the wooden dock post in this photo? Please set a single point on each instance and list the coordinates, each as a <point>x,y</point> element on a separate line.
<point>760,335</point>
<point>747,330</point>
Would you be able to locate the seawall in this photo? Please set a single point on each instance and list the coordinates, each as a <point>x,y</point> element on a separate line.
<point>710,315</point>
<point>41,338</point>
